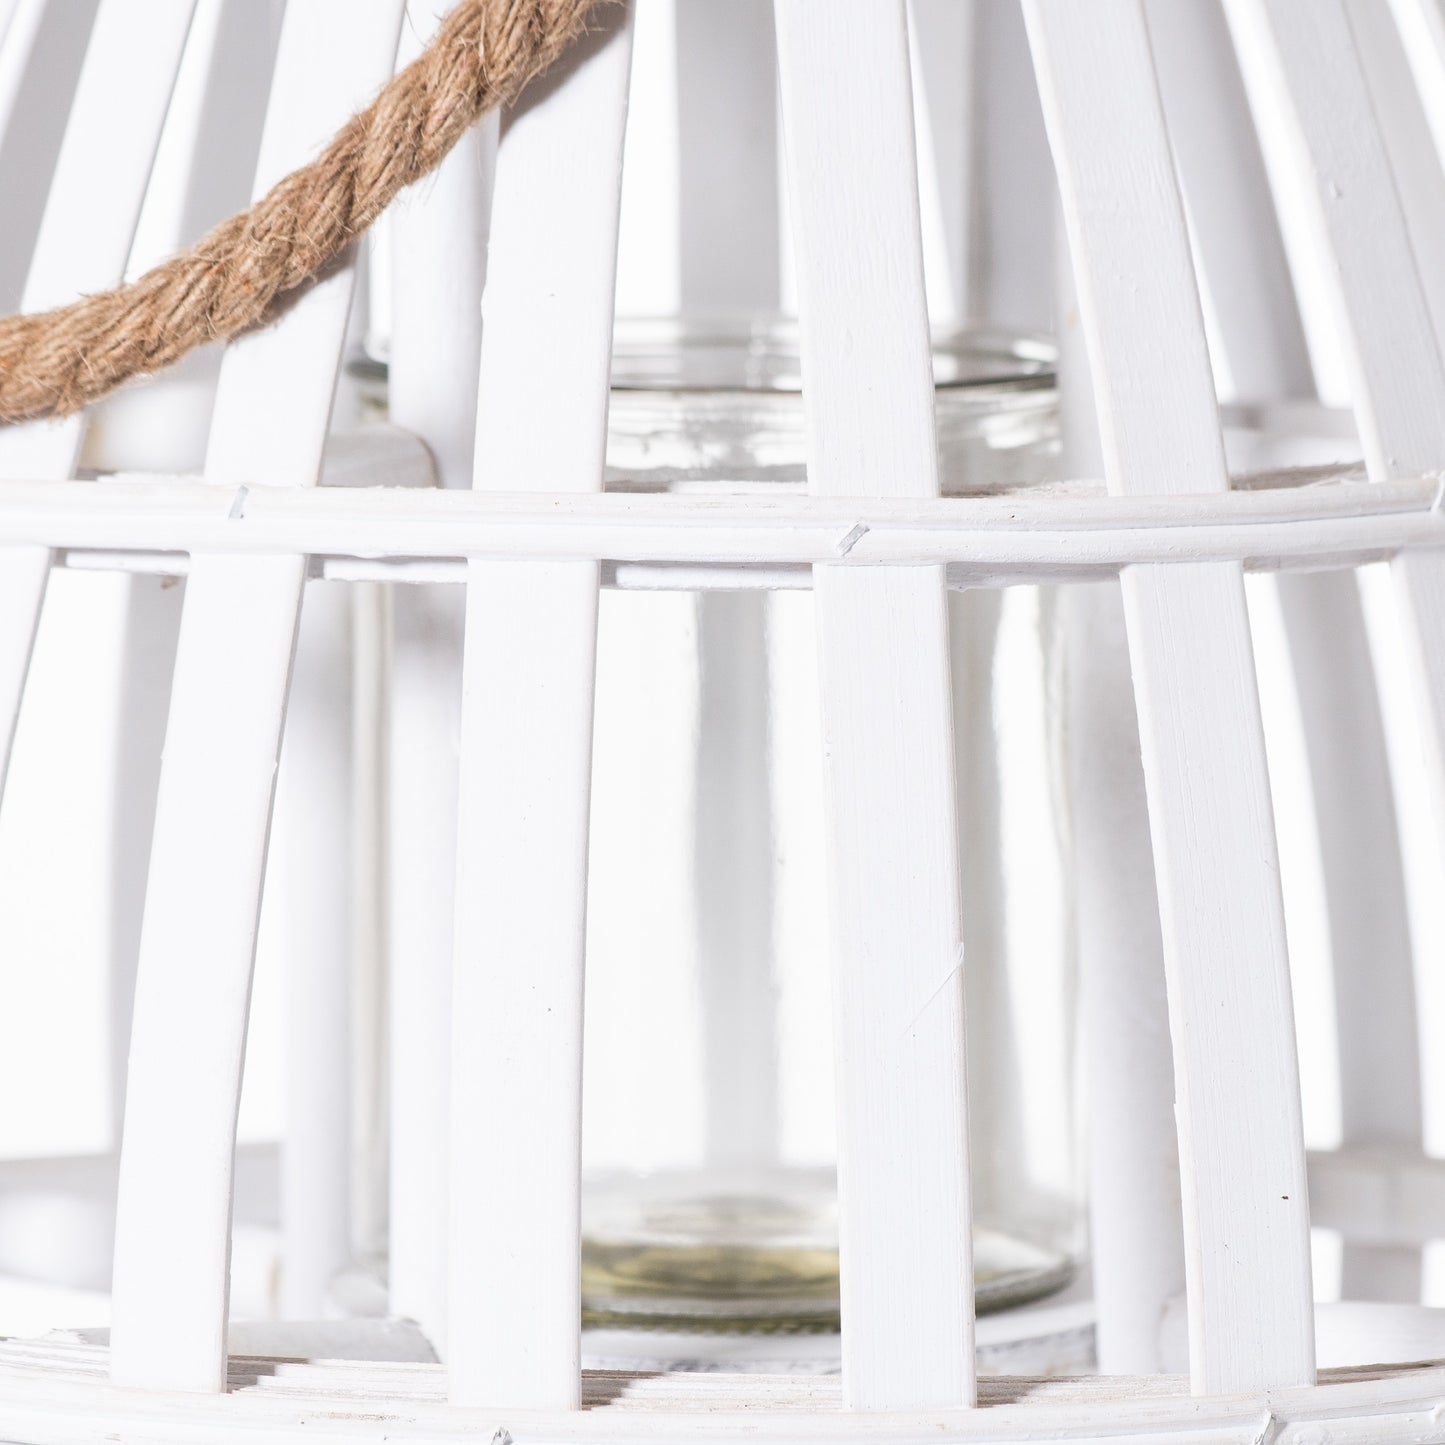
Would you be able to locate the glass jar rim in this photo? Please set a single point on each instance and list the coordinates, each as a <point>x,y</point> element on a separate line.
<point>760,356</point>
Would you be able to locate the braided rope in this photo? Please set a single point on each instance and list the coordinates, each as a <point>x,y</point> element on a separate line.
<point>53,363</point>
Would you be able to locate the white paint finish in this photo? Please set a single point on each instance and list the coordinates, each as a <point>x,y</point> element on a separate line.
<point>1232,215</point>
<point>1242,1169</point>
<point>1324,61</point>
<point>946,80</point>
<point>1136,1236</point>
<point>233,663</point>
<point>728,263</point>
<point>24,572</point>
<point>1391,351</point>
<point>517,988</point>
<point>1374,983</point>
<point>438,247</point>
<point>1404,129</point>
<point>904,1213</point>
<point>110,143</point>
<point>733,873</point>
<point>370,919</point>
<point>314,820</point>
<point>1010,276</point>
<point>152,625</point>
<point>514,1317</point>
<point>425,721</point>
<point>85,236</point>
<point>1136,1231</point>
<point>1025,537</point>
<point>41,54</point>
<point>1243,255</point>
<point>56,1391</point>
<point>173,1217</point>
<point>438,256</point>
<point>1384,1196</point>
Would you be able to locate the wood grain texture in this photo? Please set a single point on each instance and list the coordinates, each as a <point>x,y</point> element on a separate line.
<point>904,1213</point>
<point>523,804</point>
<point>213,813</point>
<point>1246,1216</point>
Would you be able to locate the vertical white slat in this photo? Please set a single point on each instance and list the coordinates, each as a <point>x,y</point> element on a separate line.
<point>200,176</point>
<point>314,818</point>
<point>439,254</point>
<point>995,179</point>
<point>1391,347</point>
<point>728,265</point>
<point>1242,253</point>
<point>85,235</point>
<point>1246,1216</point>
<point>148,655</point>
<point>531,628</point>
<point>41,53</point>
<point>904,1213</point>
<point>1010,260</point>
<point>1136,1236</point>
<point>946,77</point>
<point>233,662</point>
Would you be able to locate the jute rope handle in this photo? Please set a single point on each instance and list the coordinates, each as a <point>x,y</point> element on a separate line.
<point>53,363</point>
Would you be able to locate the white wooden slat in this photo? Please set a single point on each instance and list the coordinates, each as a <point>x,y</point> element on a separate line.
<point>514,1333</point>
<point>439,252</point>
<point>1010,263</point>
<point>213,812</point>
<point>1242,254</point>
<point>1245,1211</point>
<point>148,656</point>
<point>314,821</point>
<point>197,179</point>
<point>1386,333</point>
<point>85,235</point>
<point>41,54</point>
<point>1392,353</point>
<point>1391,344</point>
<point>728,264</point>
<point>1136,1236</point>
<point>904,1213</point>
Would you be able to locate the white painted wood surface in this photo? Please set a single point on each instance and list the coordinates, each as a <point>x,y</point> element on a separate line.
<point>84,239</point>
<point>905,1227</point>
<point>1057,534</point>
<point>41,52</point>
<point>439,247</point>
<point>56,1391</point>
<point>530,657</point>
<point>232,670</point>
<point>1384,321</point>
<point>1136,1237</point>
<point>314,821</point>
<point>1245,1212</point>
<point>728,265</point>
<point>1242,254</point>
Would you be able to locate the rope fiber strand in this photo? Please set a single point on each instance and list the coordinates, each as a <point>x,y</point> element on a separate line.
<point>52,363</point>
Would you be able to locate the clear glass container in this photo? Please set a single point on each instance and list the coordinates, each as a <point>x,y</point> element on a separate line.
<point>709,1192</point>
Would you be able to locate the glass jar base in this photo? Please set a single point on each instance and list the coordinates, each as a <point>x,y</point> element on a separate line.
<point>658,1254</point>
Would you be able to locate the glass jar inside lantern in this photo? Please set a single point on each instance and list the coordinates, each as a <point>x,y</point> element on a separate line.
<point>709,1195</point>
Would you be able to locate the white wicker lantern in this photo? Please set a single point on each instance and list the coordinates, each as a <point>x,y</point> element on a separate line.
<point>1121,170</point>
